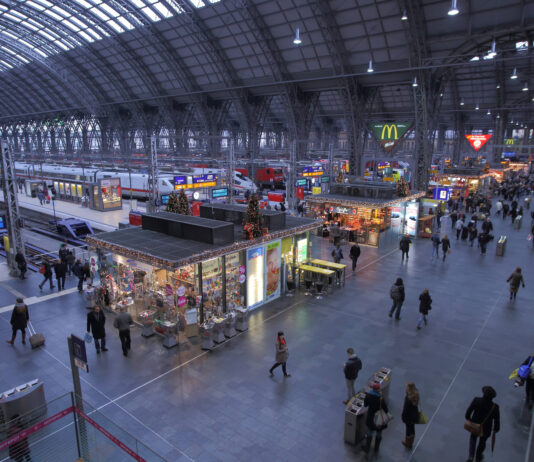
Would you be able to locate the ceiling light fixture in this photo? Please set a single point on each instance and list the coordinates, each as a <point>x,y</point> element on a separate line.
<point>370,68</point>
<point>525,86</point>
<point>414,83</point>
<point>404,16</point>
<point>488,113</point>
<point>475,58</point>
<point>453,11</point>
<point>493,51</point>
<point>498,85</point>
<point>498,116</point>
<point>514,74</point>
<point>476,107</point>
<point>297,40</point>
<point>462,102</point>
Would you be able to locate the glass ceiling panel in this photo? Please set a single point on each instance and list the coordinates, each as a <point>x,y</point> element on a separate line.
<point>50,27</point>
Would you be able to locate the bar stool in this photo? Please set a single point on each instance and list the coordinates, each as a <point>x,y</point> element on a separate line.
<point>319,289</point>
<point>308,285</point>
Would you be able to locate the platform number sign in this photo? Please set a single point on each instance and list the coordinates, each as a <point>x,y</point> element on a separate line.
<point>79,352</point>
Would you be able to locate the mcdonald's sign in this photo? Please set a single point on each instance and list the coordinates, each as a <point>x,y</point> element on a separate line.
<point>509,141</point>
<point>389,134</point>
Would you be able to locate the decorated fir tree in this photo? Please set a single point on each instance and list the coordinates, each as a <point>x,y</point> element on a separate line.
<point>183,204</point>
<point>403,188</point>
<point>253,219</point>
<point>172,204</point>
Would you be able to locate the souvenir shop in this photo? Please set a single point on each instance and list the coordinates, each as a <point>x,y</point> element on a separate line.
<point>205,283</point>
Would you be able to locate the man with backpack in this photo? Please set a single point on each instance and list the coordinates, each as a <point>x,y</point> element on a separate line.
<point>351,369</point>
<point>337,253</point>
<point>397,295</point>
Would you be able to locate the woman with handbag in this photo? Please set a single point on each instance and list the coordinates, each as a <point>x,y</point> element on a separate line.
<point>482,418</point>
<point>377,417</point>
<point>410,413</point>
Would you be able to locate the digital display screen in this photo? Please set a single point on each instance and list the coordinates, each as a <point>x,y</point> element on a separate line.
<point>2,222</point>
<point>301,182</point>
<point>164,199</point>
<point>216,193</point>
<point>206,178</point>
<point>325,179</point>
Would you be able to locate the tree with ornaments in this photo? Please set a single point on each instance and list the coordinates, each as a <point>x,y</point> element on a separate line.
<point>403,188</point>
<point>178,203</point>
<point>253,220</point>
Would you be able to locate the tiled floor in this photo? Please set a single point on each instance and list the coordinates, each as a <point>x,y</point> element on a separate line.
<point>222,406</point>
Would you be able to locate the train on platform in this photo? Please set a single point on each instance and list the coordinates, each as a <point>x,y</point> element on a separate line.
<point>133,184</point>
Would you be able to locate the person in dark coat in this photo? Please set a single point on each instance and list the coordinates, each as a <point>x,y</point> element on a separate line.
<point>46,271</point>
<point>425,305</point>
<point>445,246</point>
<point>404,246</point>
<point>21,264</point>
<point>487,226</point>
<point>472,234</point>
<point>397,295</point>
<point>515,280</point>
<point>410,413</point>
<point>63,252</point>
<point>483,411</point>
<point>465,233</point>
<point>281,356</point>
<point>436,241</point>
<point>454,219</point>
<point>70,261</point>
<point>354,254</point>
<point>373,402</point>
<point>96,321</point>
<point>19,320</point>
<point>505,210</point>
<point>60,268</point>
<point>20,450</point>
<point>351,369</point>
<point>483,239</point>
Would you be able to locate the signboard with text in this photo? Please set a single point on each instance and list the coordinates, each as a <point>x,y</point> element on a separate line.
<point>313,171</point>
<point>79,353</point>
<point>477,141</point>
<point>389,134</point>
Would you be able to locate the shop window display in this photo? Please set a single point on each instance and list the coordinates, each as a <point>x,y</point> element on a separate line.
<point>235,282</point>
<point>212,286</point>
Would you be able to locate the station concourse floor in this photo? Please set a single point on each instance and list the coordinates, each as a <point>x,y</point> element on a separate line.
<point>190,405</point>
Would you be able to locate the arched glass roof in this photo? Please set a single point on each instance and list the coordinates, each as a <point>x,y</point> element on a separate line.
<point>37,29</point>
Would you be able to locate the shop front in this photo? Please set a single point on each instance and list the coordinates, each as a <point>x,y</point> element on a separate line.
<point>200,287</point>
<point>367,221</point>
<point>105,195</point>
<point>463,181</point>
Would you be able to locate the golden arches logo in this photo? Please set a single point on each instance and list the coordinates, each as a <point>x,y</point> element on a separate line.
<point>509,141</point>
<point>390,129</point>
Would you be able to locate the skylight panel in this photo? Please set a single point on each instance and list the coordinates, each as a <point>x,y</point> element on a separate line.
<point>84,3</point>
<point>47,35</point>
<point>12,17</point>
<point>3,8</point>
<point>9,34</point>
<point>521,46</point>
<point>93,33</point>
<point>29,25</point>
<point>35,5</point>
<point>70,25</point>
<point>62,45</point>
<point>46,3</point>
<point>100,14</point>
<point>115,26</point>
<point>6,64</point>
<point>56,16</point>
<point>109,10</point>
<point>127,24</point>
<point>80,23</point>
<point>86,36</point>
<point>138,3</point>
<point>9,50</point>
<point>150,14</point>
<point>61,11</point>
<point>197,3</point>
<point>214,1</point>
<point>42,53</point>
<point>28,44</point>
<point>23,59</point>
<point>162,9</point>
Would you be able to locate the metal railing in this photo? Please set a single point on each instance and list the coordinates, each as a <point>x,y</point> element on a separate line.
<point>62,430</point>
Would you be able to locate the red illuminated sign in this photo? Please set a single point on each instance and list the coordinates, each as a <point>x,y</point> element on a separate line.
<point>477,141</point>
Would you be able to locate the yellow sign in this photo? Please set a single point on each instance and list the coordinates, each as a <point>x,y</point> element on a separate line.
<point>6,243</point>
<point>316,190</point>
<point>509,141</point>
<point>390,129</point>
<point>388,178</point>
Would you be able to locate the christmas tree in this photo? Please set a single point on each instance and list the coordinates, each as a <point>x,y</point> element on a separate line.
<point>253,219</point>
<point>172,204</point>
<point>403,188</point>
<point>183,204</point>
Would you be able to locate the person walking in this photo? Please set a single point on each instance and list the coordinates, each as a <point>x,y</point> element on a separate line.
<point>46,271</point>
<point>505,210</point>
<point>77,270</point>
<point>410,413</point>
<point>487,226</point>
<point>354,255</point>
<point>397,295</point>
<point>374,402</point>
<point>425,305</point>
<point>96,321</point>
<point>498,206</point>
<point>19,320</point>
<point>70,261</point>
<point>472,234</point>
<point>21,264</point>
<point>63,252</point>
<point>41,197</point>
<point>122,323</point>
<point>445,246</point>
<point>337,253</point>
<point>404,246</point>
<point>459,226</point>
<point>483,239</point>
<point>351,368</point>
<point>484,411</point>
<point>436,241</point>
<point>60,268</point>
<point>515,280</point>
<point>454,219</point>
<point>281,356</point>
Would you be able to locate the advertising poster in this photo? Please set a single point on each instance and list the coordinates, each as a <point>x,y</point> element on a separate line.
<point>255,277</point>
<point>272,270</point>
<point>397,219</point>
<point>412,213</point>
<point>302,250</point>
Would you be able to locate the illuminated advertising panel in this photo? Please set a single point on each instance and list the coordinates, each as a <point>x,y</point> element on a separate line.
<point>255,280</point>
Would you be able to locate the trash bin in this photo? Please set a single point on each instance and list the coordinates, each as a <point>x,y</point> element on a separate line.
<point>383,377</point>
<point>517,222</point>
<point>355,415</point>
<point>501,246</point>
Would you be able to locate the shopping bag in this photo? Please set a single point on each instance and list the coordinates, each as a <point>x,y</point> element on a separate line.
<point>88,337</point>
<point>382,418</point>
<point>423,419</point>
<point>514,375</point>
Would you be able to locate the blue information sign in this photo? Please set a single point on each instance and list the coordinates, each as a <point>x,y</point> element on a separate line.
<point>206,178</point>
<point>180,180</point>
<point>217,193</point>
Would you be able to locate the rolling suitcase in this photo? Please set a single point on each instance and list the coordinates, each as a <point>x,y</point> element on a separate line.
<point>36,340</point>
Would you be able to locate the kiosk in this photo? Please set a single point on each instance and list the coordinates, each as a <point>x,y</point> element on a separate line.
<point>105,195</point>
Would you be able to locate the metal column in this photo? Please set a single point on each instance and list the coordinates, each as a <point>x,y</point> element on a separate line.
<point>230,172</point>
<point>9,186</point>
<point>291,176</point>
<point>153,174</point>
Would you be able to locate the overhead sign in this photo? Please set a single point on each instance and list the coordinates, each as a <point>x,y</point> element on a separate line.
<point>389,134</point>
<point>325,179</point>
<point>312,171</point>
<point>509,141</point>
<point>221,192</point>
<point>79,353</point>
<point>477,141</point>
<point>301,182</point>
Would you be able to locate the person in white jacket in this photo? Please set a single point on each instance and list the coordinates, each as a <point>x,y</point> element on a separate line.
<point>459,226</point>
<point>499,207</point>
